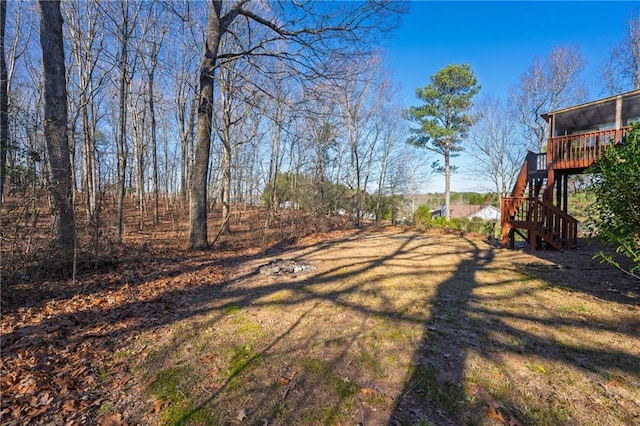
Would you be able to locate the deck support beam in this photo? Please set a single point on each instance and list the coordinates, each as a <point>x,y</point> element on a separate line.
<point>618,113</point>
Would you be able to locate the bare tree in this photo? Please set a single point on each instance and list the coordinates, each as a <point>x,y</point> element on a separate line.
<point>275,151</point>
<point>13,47</point>
<point>27,154</point>
<point>497,151</point>
<point>216,25</point>
<point>4,103</point>
<point>358,109</point>
<point>324,136</point>
<point>237,82</point>
<point>85,22</point>
<point>139,132</point>
<point>548,85</point>
<point>124,17</point>
<point>392,133</point>
<point>55,123</point>
<point>154,30</point>
<point>185,112</point>
<point>301,35</point>
<point>621,72</point>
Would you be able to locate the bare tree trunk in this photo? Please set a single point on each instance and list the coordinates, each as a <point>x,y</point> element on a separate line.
<point>154,147</point>
<point>198,185</point>
<point>226,190</point>
<point>91,182</point>
<point>85,21</point>
<point>447,182</point>
<point>381,181</point>
<point>186,140</point>
<point>4,102</point>
<point>122,142</point>
<point>156,33</point>
<point>274,168</point>
<point>138,131</point>
<point>55,123</point>
<point>169,172</point>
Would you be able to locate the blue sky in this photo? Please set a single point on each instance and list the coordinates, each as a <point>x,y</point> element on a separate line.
<point>499,40</point>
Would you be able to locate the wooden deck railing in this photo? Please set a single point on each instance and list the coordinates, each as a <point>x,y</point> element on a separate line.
<point>541,218</point>
<point>581,150</point>
<point>539,163</point>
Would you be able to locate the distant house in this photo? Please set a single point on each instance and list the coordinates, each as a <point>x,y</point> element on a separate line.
<point>469,211</point>
<point>289,205</point>
<point>486,213</point>
<point>460,211</point>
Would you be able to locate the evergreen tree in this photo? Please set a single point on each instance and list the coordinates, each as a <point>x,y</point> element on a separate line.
<point>444,118</point>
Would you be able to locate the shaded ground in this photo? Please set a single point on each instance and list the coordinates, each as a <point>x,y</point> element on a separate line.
<point>387,327</point>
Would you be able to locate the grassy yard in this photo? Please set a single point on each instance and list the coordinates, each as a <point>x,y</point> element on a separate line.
<point>388,327</point>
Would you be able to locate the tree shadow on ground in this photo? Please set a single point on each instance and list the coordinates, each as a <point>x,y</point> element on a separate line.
<point>436,389</point>
<point>580,270</point>
<point>441,390</point>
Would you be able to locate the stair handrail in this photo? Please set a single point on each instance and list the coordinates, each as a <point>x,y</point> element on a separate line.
<point>558,211</point>
<point>561,224</point>
<point>541,214</point>
<point>531,163</point>
<point>523,176</point>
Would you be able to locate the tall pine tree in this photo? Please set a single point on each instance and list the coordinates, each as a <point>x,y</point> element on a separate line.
<point>444,118</point>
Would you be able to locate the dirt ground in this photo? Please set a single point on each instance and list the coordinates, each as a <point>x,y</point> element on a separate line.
<point>381,327</point>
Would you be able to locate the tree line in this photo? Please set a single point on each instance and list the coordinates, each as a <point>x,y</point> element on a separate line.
<point>200,104</point>
<point>203,104</point>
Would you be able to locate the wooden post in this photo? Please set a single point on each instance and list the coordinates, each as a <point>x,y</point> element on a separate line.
<point>552,128</point>
<point>565,191</point>
<point>618,112</point>
<point>548,191</point>
<point>506,230</point>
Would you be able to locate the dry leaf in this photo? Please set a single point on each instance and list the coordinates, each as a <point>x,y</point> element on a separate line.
<point>283,380</point>
<point>476,390</point>
<point>159,405</point>
<point>113,420</point>
<point>242,414</point>
<point>515,422</point>
<point>35,413</point>
<point>121,381</point>
<point>368,391</point>
<point>70,405</point>
<point>494,414</point>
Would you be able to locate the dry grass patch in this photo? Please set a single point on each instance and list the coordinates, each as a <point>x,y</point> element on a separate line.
<point>391,327</point>
<point>405,328</point>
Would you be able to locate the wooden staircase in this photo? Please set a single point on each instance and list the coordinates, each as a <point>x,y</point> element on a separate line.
<point>537,207</point>
<point>533,217</point>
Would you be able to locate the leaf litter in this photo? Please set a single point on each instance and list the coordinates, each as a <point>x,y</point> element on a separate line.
<point>85,354</point>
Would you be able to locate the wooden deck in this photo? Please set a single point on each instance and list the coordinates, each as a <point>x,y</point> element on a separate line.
<point>537,219</point>
<point>580,151</point>
<point>541,220</point>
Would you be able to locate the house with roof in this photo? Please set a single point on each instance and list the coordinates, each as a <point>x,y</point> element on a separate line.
<point>537,207</point>
<point>469,211</point>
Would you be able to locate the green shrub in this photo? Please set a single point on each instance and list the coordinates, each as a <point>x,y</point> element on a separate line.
<point>422,216</point>
<point>615,214</point>
<point>422,219</point>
